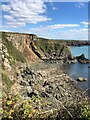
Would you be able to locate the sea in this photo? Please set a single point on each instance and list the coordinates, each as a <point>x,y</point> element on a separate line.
<point>78,69</point>
<point>73,70</point>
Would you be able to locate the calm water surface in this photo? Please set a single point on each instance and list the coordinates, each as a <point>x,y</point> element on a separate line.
<point>78,69</point>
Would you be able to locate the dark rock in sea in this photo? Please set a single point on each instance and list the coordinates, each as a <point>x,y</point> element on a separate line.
<point>82,59</point>
<point>81,79</point>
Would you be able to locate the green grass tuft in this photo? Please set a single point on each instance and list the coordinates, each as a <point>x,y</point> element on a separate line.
<point>7,81</point>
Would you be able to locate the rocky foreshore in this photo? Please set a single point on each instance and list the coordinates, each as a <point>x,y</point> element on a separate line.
<point>48,82</point>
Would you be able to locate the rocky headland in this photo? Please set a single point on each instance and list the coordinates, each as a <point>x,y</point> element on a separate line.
<point>34,89</point>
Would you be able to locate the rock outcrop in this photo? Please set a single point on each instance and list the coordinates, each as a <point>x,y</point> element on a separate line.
<point>82,59</point>
<point>78,43</point>
<point>34,48</point>
<point>81,79</point>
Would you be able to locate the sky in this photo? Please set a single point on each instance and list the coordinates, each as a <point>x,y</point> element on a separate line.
<point>54,20</point>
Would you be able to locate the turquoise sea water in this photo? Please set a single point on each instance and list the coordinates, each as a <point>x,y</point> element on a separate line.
<point>80,50</point>
<point>78,69</point>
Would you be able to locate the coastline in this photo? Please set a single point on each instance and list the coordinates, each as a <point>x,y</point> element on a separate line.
<point>56,71</point>
<point>36,86</point>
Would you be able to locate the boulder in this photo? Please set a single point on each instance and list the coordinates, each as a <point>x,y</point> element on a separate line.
<point>46,83</point>
<point>82,59</point>
<point>81,79</point>
<point>70,57</point>
<point>44,94</point>
<point>74,61</point>
<point>33,93</point>
<point>29,89</point>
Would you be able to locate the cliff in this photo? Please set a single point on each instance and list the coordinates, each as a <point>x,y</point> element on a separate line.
<point>31,93</point>
<point>21,50</point>
<point>78,43</point>
<point>33,47</point>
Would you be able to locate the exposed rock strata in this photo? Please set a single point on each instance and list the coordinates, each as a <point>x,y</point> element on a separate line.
<point>34,48</point>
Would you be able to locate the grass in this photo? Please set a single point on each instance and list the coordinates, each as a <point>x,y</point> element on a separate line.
<point>7,81</point>
<point>16,54</point>
<point>49,45</point>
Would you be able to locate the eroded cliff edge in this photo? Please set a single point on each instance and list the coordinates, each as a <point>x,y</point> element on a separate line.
<point>33,47</point>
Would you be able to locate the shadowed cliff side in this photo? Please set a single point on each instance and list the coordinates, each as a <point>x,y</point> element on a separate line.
<point>34,48</point>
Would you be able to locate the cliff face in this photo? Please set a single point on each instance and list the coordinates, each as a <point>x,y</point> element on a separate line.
<point>22,43</point>
<point>51,49</point>
<point>19,50</point>
<point>34,48</point>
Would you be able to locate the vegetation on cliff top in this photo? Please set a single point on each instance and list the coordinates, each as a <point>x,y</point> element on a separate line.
<point>12,50</point>
<point>46,46</point>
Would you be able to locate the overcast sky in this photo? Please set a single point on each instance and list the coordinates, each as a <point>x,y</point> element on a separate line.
<point>56,20</point>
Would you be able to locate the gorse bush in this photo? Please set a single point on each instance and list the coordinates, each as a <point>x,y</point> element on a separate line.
<point>15,108</point>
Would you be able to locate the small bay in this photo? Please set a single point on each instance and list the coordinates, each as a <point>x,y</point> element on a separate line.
<point>78,69</point>
<point>76,51</point>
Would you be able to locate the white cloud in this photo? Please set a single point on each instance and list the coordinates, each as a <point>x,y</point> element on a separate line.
<point>54,8</point>
<point>85,24</point>
<point>71,34</point>
<point>77,34</point>
<point>16,24</point>
<point>52,5</point>
<point>53,27</point>
<point>79,5</point>
<point>51,30</point>
<point>8,17</point>
<point>6,7</point>
<point>27,11</point>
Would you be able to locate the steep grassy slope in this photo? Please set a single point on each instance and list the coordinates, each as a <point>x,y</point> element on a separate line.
<point>52,48</point>
<point>12,50</point>
<point>32,47</point>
